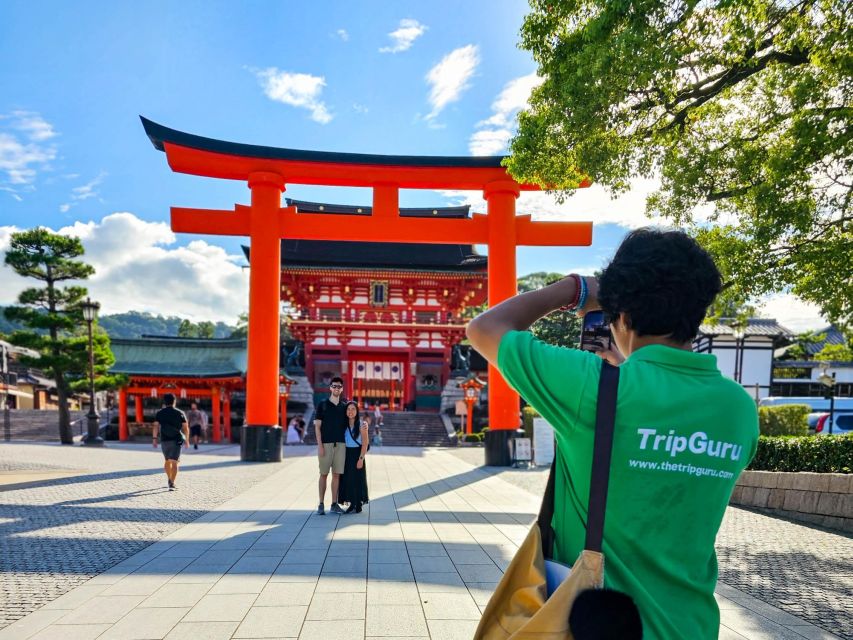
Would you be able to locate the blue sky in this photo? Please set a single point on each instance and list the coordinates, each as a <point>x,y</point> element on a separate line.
<point>438,78</point>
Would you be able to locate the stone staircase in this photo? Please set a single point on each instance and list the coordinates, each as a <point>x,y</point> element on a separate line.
<point>43,425</point>
<point>407,429</point>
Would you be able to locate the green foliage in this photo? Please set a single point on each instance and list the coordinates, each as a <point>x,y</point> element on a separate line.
<point>784,420</point>
<point>560,328</point>
<point>799,350</point>
<point>818,454</point>
<point>53,314</point>
<point>133,324</point>
<point>527,415</point>
<point>835,353</point>
<point>742,109</point>
<point>474,437</point>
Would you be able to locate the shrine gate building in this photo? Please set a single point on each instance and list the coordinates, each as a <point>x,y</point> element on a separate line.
<point>383,316</point>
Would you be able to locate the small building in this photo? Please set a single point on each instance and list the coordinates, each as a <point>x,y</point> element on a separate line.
<point>746,357</point>
<point>801,376</point>
<point>382,316</point>
<point>208,371</point>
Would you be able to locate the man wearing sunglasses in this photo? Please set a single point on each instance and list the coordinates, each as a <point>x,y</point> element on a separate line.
<point>330,423</point>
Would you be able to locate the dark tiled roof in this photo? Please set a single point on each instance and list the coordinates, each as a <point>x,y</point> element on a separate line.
<point>833,336</point>
<point>180,357</point>
<point>755,327</point>
<point>388,255</point>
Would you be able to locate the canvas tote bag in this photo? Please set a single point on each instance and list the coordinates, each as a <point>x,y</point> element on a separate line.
<point>520,608</point>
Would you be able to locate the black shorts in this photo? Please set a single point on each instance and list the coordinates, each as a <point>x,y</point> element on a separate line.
<point>171,449</point>
<point>195,430</point>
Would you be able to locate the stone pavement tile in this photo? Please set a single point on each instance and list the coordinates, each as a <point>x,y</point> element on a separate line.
<point>296,573</point>
<point>766,610</point>
<point>31,624</point>
<point>255,565</point>
<point>345,564</point>
<point>452,629</point>
<point>432,564</point>
<point>106,609</point>
<point>279,594</point>
<point>386,556</point>
<point>481,591</point>
<point>725,603</point>
<point>746,623</point>
<point>468,555</point>
<point>305,556</point>
<point>71,632</point>
<point>426,549</point>
<point>137,559</point>
<point>479,572</point>
<point>392,592</point>
<point>174,594</point>
<point>341,583</point>
<point>337,606</point>
<point>270,551</point>
<point>189,549</point>
<point>76,597</point>
<point>440,582</point>
<point>401,572</point>
<point>329,629</point>
<point>272,622</point>
<point>347,547</point>
<point>219,557</point>
<point>145,624</point>
<point>812,632</point>
<point>136,585</point>
<point>396,620</point>
<point>240,583</point>
<point>728,634</point>
<point>208,577</point>
<point>449,606</point>
<point>221,608</point>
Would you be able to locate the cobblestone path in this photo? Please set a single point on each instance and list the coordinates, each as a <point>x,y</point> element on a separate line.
<point>56,534</point>
<point>803,570</point>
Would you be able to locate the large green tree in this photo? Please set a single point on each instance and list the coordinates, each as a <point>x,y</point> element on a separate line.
<point>742,108</point>
<point>53,314</point>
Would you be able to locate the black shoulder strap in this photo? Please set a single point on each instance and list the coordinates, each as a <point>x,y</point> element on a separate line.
<point>604,423</point>
<point>605,419</point>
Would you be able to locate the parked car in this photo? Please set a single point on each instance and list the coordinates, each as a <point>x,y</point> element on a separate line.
<point>842,422</point>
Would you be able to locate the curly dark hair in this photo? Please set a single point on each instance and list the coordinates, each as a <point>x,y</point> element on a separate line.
<point>663,280</point>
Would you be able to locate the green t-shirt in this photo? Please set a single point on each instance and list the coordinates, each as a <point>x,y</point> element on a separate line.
<point>683,434</point>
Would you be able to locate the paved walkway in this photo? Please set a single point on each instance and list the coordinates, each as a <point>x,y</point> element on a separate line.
<point>420,562</point>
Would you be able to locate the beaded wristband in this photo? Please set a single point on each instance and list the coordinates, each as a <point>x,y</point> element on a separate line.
<point>576,299</point>
<point>583,296</point>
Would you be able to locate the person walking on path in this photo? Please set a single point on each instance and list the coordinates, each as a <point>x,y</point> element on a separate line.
<point>172,431</point>
<point>354,481</point>
<point>330,424</point>
<point>197,420</point>
<point>683,431</point>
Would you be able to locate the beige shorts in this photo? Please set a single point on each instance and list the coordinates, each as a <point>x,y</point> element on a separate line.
<point>335,455</point>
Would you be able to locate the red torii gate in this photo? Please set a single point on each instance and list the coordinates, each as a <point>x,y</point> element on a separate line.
<point>268,169</point>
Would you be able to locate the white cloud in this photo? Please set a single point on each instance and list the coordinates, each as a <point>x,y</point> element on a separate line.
<point>83,192</point>
<point>359,108</point>
<point>23,151</point>
<point>792,312</point>
<point>404,36</point>
<point>497,129</point>
<point>33,125</point>
<point>489,142</point>
<point>140,267</point>
<point>297,90</point>
<point>592,204</point>
<point>449,78</point>
<point>342,34</point>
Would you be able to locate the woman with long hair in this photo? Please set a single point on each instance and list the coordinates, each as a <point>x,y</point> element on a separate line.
<point>354,480</point>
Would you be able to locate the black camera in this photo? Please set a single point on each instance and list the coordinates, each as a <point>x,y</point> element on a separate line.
<point>595,333</point>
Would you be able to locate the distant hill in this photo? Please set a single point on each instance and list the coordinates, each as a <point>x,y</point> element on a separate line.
<point>132,324</point>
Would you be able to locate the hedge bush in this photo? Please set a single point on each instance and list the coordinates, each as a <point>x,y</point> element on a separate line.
<point>527,415</point>
<point>819,454</point>
<point>474,437</point>
<point>784,420</point>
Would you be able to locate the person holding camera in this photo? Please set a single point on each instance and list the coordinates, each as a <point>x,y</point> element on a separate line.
<point>683,431</point>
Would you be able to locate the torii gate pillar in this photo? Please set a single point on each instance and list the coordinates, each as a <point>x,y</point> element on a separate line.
<point>503,400</point>
<point>263,441</point>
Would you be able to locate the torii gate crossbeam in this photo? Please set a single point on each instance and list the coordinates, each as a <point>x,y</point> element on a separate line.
<point>268,169</point>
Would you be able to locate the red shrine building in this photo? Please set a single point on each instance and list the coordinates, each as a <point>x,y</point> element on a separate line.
<point>383,316</point>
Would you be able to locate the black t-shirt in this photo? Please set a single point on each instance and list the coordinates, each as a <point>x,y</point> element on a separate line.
<point>170,420</point>
<point>334,420</point>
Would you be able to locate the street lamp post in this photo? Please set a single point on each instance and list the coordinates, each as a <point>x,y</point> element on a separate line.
<point>828,381</point>
<point>90,312</point>
<point>739,334</point>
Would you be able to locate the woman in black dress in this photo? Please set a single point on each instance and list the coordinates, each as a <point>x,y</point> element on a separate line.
<point>353,488</point>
